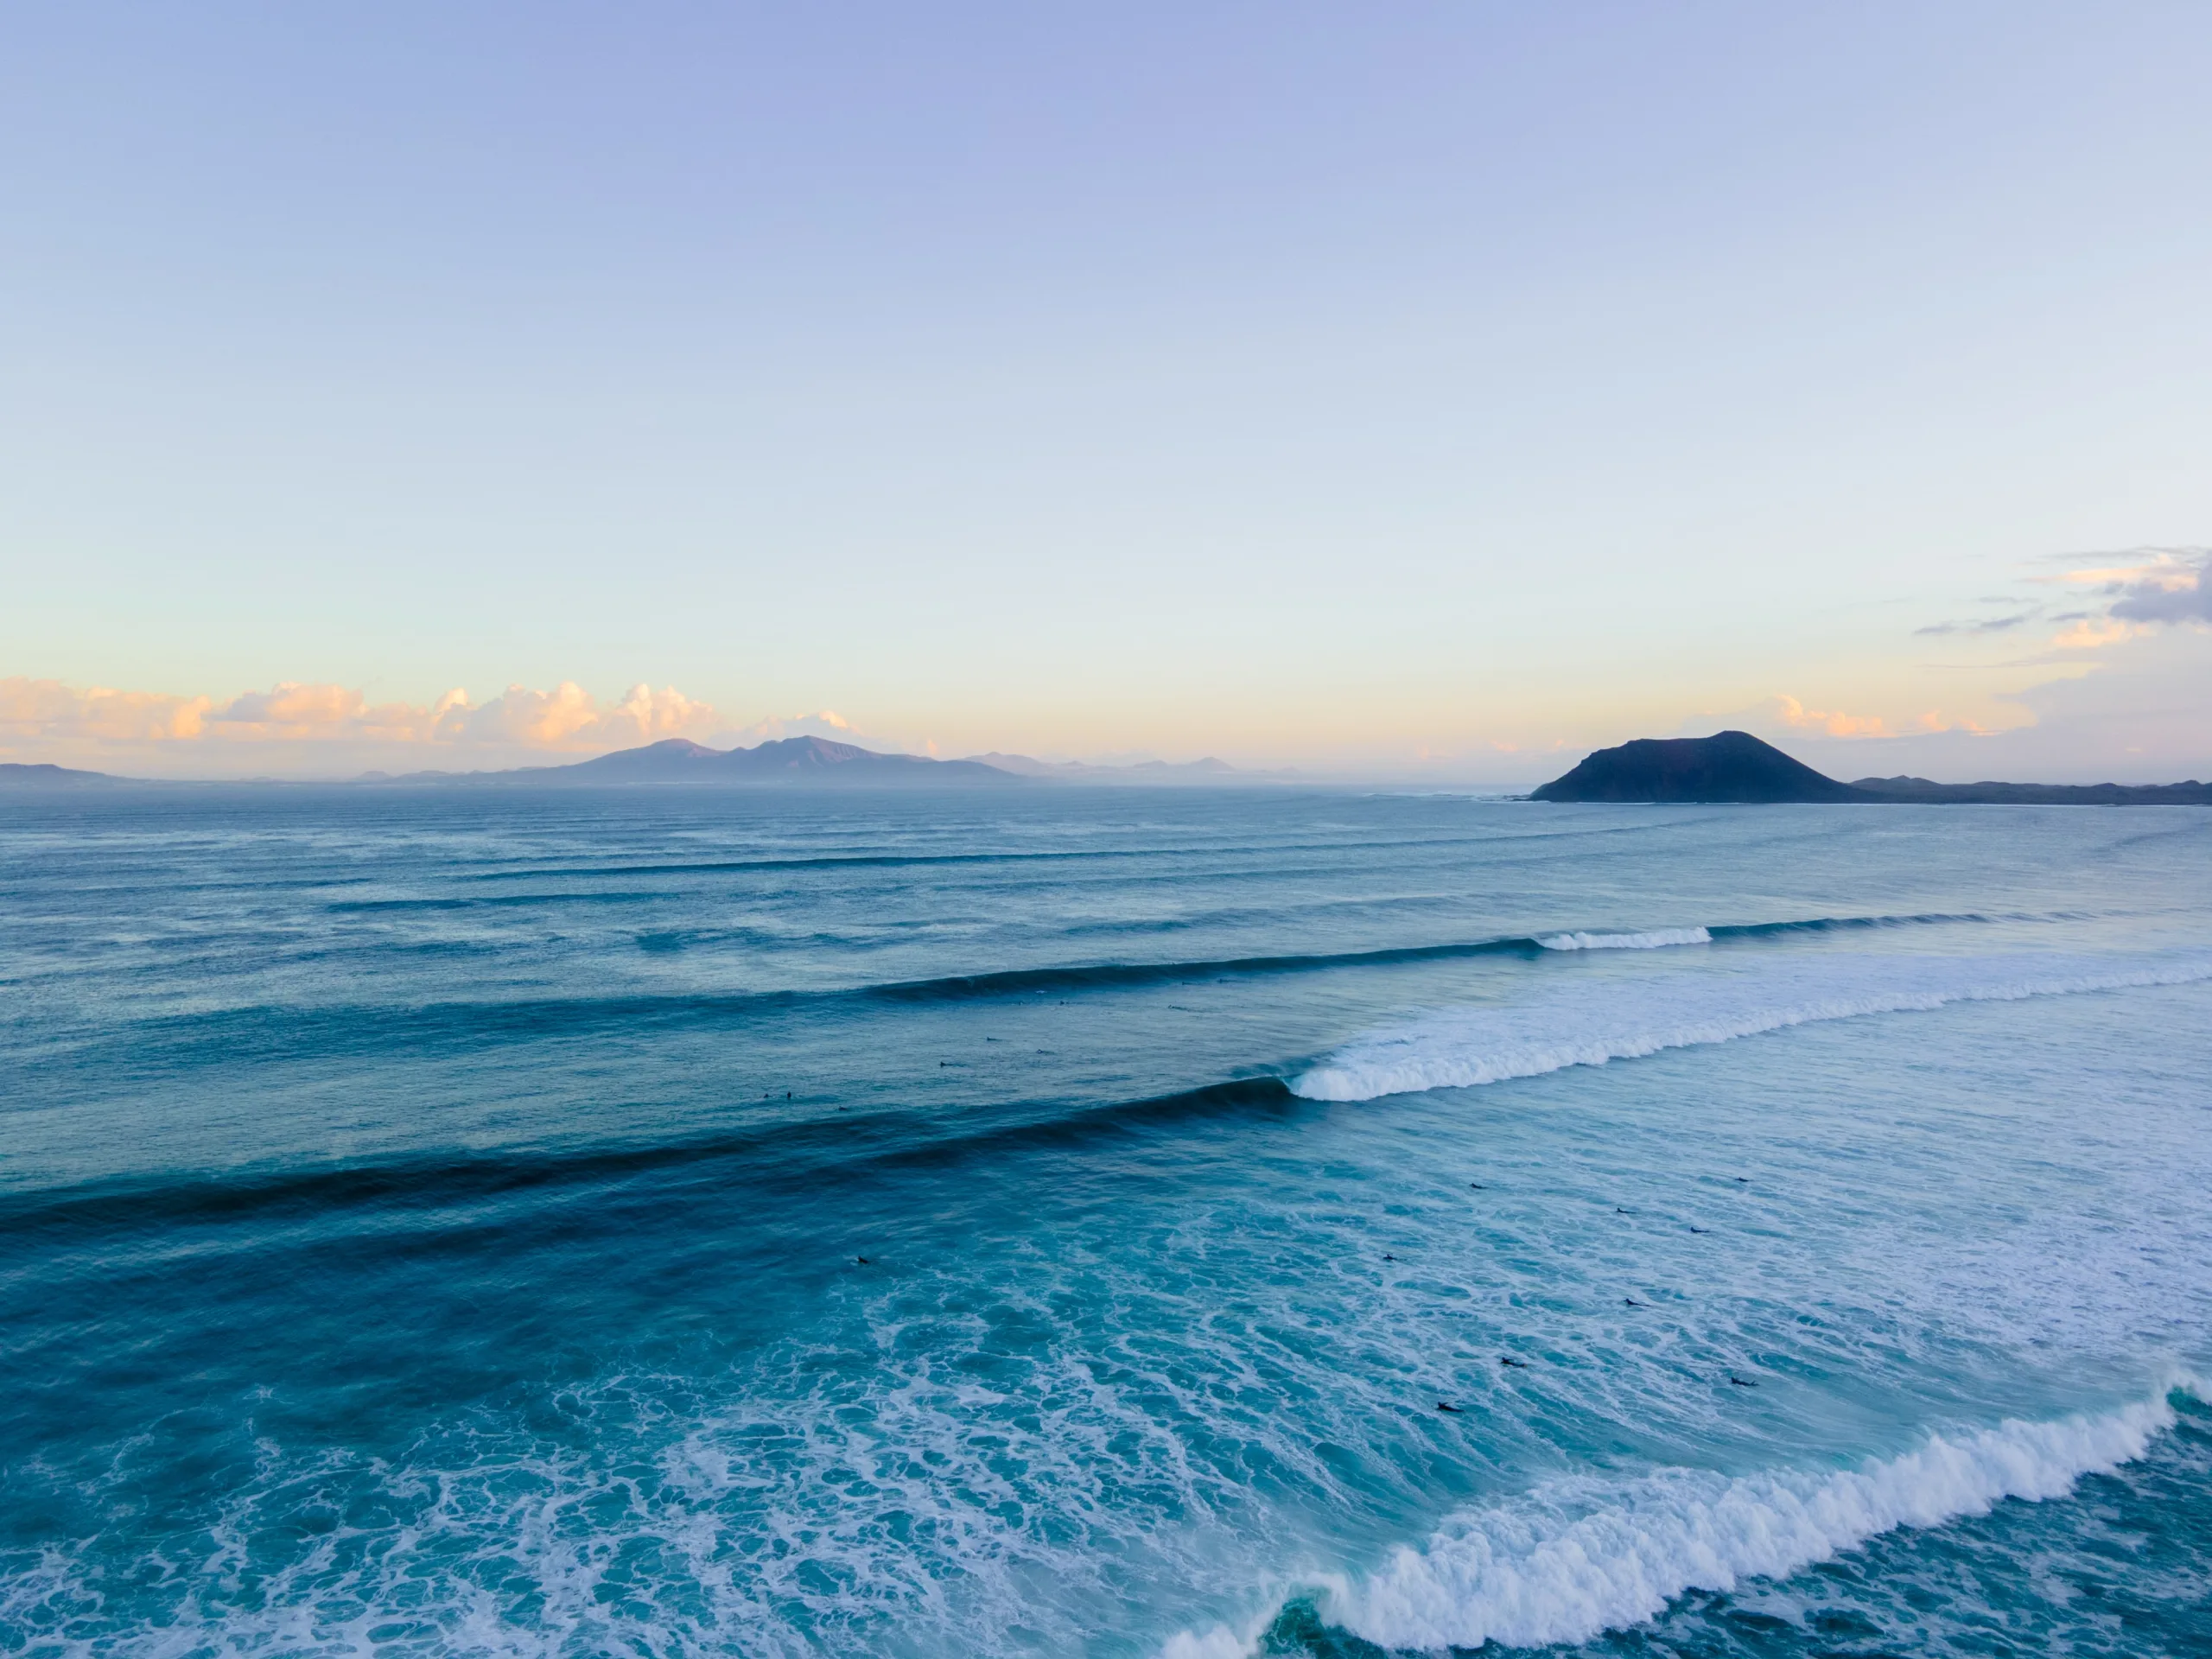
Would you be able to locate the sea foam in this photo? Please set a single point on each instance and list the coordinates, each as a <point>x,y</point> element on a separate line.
<point>1656,939</point>
<point>1575,1559</point>
<point>1589,1024</point>
<point>1562,1568</point>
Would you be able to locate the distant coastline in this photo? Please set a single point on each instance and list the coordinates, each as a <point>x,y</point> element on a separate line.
<point>1726,768</point>
<point>784,763</point>
<point>53,777</point>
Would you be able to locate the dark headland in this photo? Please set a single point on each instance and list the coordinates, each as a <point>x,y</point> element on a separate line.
<point>1735,766</point>
<point>50,776</point>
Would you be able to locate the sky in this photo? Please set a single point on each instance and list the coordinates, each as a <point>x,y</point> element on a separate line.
<point>1421,393</point>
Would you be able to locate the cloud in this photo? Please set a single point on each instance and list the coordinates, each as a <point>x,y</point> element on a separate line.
<point>568,717</point>
<point>2130,594</point>
<point>2115,690</point>
<point>48,716</point>
<point>2158,586</point>
<point>2094,632</point>
<point>296,711</point>
<point>2135,715</point>
<point>1994,625</point>
<point>41,711</point>
<point>825,722</point>
<point>2174,590</point>
<point>1790,712</point>
<point>292,704</point>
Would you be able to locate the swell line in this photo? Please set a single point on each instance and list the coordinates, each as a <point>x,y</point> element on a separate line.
<point>1844,924</point>
<point>786,1153</point>
<point>1020,981</point>
<point>246,1032</point>
<point>900,860</point>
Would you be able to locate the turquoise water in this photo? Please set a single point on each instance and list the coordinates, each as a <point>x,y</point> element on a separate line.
<point>674,1223</point>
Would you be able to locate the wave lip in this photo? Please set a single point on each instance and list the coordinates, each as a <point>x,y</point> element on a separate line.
<point>1464,1048</point>
<point>1567,1564</point>
<point>1657,938</point>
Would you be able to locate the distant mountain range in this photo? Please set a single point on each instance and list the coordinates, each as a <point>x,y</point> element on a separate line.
<point>787,761</point>
<point>819,760</point>
<point>1735,766</point>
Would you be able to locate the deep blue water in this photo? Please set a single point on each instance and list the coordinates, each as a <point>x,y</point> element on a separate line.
<point>1055,1223</point>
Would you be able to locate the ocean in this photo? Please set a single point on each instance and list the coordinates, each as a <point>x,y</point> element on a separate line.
<point>1100,1222</point>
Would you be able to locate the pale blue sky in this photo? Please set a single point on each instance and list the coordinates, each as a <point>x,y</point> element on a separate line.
<point>1328,385</point>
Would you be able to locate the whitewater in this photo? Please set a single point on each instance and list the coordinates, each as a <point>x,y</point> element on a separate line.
<point>1553,1570</point>
<point>1590,1025</point>
<point>1182,1224</point>
<point>1572,1560</point>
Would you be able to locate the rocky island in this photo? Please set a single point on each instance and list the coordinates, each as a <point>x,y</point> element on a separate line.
<point>1735,766</point>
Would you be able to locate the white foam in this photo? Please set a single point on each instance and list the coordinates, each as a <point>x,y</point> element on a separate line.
<point>1575,1559</point>
<point>1657,940</point>
<point>1562,1568</point>
<point>1625,1019</point>
<point>1217,1642</point>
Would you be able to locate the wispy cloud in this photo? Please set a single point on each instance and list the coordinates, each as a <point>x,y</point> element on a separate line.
<point>1993,624</point>
<point>2146,588</point>
<point>2130,593</point>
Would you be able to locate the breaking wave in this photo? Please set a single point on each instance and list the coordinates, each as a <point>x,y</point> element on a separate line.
<point>1111,975</point>
<point>1655,940</point>
<point>1575,1559</point>
<point>1591,1023</point>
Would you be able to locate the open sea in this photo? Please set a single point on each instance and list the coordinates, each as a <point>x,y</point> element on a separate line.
<point>1101,1222</point>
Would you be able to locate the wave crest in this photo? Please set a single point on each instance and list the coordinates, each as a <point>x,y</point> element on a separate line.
<point>1575,1559</point>
<point>1658,938</point>
<point>1591,1025</point>
<point>1562,1569</point>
